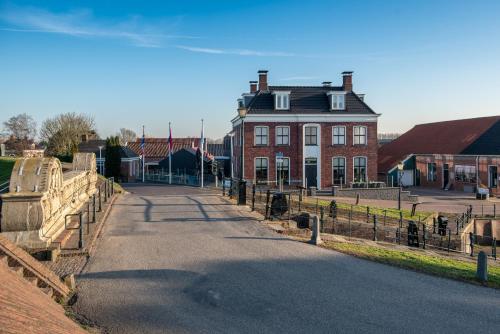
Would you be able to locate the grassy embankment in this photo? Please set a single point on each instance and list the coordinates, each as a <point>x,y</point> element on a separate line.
<point>6,165</point>
<point>392,213</point>
<point>434,265</point>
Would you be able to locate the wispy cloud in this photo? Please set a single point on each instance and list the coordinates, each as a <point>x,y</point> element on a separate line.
<point>82,23</point>
<point>238,52</point>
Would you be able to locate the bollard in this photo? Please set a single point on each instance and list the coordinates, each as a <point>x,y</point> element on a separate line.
<point>316,235</point>
<point>253,197</point>
<point>374,227</point>
<point>80,232</point>
<point>482,267</point>
<point>433,225</point>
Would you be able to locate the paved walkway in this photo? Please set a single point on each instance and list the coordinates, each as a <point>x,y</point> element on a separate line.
<point>178,260</point>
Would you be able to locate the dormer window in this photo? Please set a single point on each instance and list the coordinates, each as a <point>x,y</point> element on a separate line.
<point>337,100</point>
<point>281,100</point>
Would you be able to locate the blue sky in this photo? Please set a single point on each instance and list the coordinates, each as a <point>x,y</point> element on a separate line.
<point>128,63</point>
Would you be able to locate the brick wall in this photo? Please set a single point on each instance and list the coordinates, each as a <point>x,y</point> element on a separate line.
<point>294,150</point>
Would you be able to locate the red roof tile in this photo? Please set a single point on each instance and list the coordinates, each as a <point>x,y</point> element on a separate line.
<point>449,137</point>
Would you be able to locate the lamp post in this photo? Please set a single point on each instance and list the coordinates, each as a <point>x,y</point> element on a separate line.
<point>242,112</point>
<point>100,159</point>
<point>400,175</point>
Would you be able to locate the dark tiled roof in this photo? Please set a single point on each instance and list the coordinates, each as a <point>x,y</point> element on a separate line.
<point>92,146</point>
<point>156,149</point>
<point>450,137</point>
<point>306,99</point>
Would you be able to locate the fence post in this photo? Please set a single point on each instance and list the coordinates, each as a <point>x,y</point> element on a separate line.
<point>424,230</point>
<point>385,216</point>
<point>494,249</point>
<point>458,225</point>
<point>433,225</point>
<point>449,239</point>
<point>357,199</point>
<point>268,195</point>
<point>100,201</point>
<point>300,198</point>
<point>93,209</point>
<point>322,217</point>
<point>88,216</point>
<point>400,219</point>
<point>471,240</point>
<point>398,236</point>
<point>80,232</point>
<point>350,218</point>
<point>367,214</point>
<point>289,205</point>
<point>374,227</point>
<point>223,187</point>
<point>253,197</point>
<point>112,186</point>
<point>105,191</point>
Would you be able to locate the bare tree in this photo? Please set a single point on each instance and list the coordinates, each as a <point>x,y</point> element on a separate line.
<point>126,136</point>
<point>21,127</point>
<point>64,132</point>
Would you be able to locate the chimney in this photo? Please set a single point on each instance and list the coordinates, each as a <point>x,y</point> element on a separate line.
<point>347,81</point>
<point>262,80</point>
<point>253,86</point>
<point>327,84</point>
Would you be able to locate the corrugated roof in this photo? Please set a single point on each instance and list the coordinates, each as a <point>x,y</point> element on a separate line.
<point>449,137</point>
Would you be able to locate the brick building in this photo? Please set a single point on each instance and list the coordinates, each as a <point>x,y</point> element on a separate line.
<point>459,155</point>
<point>325,134</point>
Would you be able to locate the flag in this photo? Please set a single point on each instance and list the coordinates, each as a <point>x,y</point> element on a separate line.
<point>170,140</point>
<point>202,140</point>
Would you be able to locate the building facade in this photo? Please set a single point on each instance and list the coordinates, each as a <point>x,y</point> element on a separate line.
<point>314,136</point>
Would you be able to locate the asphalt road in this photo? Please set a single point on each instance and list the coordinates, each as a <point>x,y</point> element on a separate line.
<point>178,260</point>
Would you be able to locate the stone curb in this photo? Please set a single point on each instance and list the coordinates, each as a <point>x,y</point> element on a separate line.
<point>91,248</point>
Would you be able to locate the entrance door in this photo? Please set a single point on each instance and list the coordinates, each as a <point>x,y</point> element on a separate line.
<point>311,172</point>
<point>446,176</point>
<point>492,176</point>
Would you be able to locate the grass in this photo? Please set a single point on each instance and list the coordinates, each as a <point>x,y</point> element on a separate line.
<point>6,165</point>
<point>117,187</point>
<point>434,265</point>
<point>392,213</point>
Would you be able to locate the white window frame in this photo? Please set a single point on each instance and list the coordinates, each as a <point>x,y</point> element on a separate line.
<point>255,135</point>
<point>366,167</point>
<point>345,169</point>
<point>337,100</point>
<point>333,134</point>
<point>354,134</point>
<point>255,168</point>
<point>281,100</point>
<point>317,135</point>
<point>276,135</point>
<point>276,169</point>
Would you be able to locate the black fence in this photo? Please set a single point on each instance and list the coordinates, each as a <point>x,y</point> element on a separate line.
<point>388,225</point>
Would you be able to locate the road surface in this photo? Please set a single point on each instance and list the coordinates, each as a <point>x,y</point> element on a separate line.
<point>180,260</point>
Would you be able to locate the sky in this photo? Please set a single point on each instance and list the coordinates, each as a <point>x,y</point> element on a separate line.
<point>134,63</point>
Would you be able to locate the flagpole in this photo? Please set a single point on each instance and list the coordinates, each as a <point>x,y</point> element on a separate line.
<point>143,155</point>
<point>170,154</point>
<point>201,145</point>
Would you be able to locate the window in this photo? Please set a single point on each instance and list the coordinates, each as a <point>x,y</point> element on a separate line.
<point>282,170</point>
<point>359,169</point>
<point>359,135</point>
<point>338,170</point>
<point>311,135</point>
<point>337,101</point>
<point>282,135</point>
<point>282,100</point>
<point>431,172</point>
<point>261,135</point>
<point>261,167</point>
<point>339,135</point>
<point>465,173</point>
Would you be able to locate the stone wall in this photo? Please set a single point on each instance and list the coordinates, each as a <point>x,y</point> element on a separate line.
<point>387,193</point>
<point>41,195</point>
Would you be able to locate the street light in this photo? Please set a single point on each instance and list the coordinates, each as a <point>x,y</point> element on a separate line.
<point>400,175</point>
<point>242,112</point>
<point>100,159</point>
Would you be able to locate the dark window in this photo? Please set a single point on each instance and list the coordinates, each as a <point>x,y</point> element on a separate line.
<point>338,170</point>
<point>359,135</point>
<point>465,173</point>
<point>431,172</point>
<point>261,167</point>
<point>311,135</point>
<point>359,169</point>
<point>339,135</point>
<point>282,170</point>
